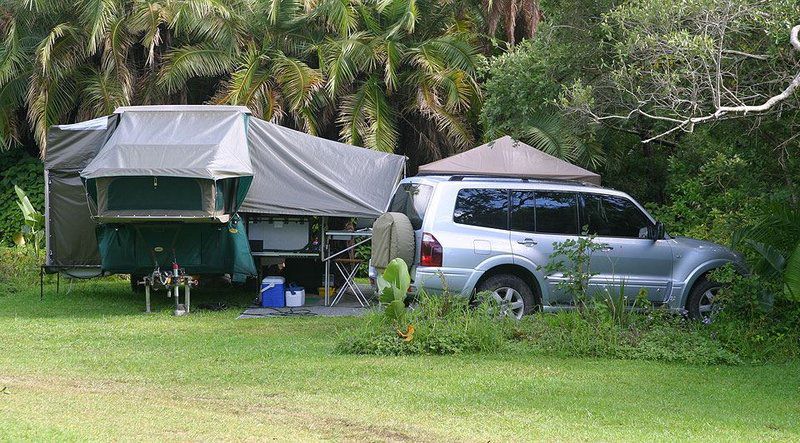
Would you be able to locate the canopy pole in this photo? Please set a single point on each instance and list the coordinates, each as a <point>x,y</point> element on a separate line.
<point>324,253</point>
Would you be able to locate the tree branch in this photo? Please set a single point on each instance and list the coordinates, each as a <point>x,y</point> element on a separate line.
<point>722,111</point>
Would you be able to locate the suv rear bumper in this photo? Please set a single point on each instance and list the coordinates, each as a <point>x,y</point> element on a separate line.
<point>456,280</point>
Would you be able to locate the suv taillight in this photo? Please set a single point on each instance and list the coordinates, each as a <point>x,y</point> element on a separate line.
<point>431,251</point>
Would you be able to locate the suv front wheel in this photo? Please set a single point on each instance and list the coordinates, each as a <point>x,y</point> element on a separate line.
<point>513,295</point>
<point>701,304</point>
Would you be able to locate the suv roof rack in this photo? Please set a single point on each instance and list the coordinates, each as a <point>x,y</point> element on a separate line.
<point>462,177</point>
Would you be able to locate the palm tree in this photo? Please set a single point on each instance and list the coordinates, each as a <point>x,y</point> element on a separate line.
<point>518,16</point>
<point>400,67</point>
<point>271,75</point>
<point>390,74</point>
<point>60,61</point>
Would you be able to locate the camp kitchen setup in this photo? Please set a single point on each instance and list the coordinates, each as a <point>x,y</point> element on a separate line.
<point>173,195</point>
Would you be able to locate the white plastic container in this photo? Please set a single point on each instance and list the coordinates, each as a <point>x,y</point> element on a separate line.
<point>295,297</point>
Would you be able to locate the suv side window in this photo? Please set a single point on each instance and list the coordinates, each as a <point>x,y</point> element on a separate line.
<point>482,207</point>
<point>556,212</point>
<point>523,211</point>
<point>412,200</point>
<point>612,216</point>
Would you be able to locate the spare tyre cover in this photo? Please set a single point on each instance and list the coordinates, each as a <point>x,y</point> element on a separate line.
<point>392,237</point>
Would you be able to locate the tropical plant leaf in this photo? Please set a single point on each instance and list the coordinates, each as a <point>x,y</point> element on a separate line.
<point>190,61</point>
<point>772,260</point>
<point>382,134</point>
<point>791,275</point>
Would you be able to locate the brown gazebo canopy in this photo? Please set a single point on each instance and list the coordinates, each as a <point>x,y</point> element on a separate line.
<point>506,157</point>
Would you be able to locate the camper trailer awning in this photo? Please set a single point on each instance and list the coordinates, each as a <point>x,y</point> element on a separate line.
<point>300,174</point>
<point>506,157</point>
<point>176,141</point>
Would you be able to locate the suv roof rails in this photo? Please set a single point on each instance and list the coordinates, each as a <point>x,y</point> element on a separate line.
<point>461,177</point>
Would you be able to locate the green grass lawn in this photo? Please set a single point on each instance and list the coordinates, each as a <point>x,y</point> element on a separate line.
<point>89,363</point>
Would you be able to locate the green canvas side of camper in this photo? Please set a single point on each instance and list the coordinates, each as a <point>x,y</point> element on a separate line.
<point>199,248</point>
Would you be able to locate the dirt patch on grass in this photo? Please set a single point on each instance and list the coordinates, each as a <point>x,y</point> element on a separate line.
<point>252,410</point>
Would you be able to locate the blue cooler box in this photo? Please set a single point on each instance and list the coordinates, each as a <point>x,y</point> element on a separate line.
<point>272,292</point>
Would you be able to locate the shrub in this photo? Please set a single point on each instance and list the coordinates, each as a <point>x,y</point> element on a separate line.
<point>27,173</point>
<point>436,325</point>
<point>656,336</point>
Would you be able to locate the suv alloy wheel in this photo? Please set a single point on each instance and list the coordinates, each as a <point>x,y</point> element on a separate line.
<point>513,295</point>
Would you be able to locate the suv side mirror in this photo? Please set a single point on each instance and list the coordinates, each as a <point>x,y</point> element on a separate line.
<point>656,231</point>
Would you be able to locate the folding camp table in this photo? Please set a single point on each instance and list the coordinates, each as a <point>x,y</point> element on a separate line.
<point>349,274</point>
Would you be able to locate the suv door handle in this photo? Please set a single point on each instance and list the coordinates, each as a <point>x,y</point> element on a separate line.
<point>606,248</point>
<point>527,242</point>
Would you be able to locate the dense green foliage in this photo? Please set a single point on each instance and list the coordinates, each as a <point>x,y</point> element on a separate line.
<point>25,172</point>
<point>389,75</point>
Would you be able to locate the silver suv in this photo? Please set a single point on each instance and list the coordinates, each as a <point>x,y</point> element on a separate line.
<point>477,234</point>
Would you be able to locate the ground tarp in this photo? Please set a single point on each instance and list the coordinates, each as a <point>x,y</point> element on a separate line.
<point>299,174</point>
<point>506,157</point>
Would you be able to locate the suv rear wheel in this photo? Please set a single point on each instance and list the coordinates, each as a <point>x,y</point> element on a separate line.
<point>513,295</point>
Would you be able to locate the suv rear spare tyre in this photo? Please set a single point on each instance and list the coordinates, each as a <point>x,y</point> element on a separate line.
<point>392,237</point>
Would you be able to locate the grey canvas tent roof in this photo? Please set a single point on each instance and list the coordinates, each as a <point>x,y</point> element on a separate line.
<point>181,141</point>
<point>506,157</point>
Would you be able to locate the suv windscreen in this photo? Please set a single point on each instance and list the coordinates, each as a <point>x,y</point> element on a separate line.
<point>482,207</point>
<point>612,216</point>
<point>412,200</point>
<point>556,212</point>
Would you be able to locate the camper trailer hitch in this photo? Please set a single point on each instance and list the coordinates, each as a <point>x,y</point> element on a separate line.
<point>172,282</point>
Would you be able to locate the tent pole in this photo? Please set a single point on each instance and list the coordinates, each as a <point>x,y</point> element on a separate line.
<point>327,262</point>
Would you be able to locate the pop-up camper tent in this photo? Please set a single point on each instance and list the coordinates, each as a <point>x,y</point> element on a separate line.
<point>506,157</point>
<point>151,185</point>
<point>170,165</point>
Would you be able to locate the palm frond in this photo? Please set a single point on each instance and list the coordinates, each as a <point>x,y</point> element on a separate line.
<point>48,103</point>
<point>297,80</point>
<point>146,19</point>
<point>245,80</point>
<point>96,16</point>
<point>548,134</point>
<point>339,16</point>
<point>453,52</point>
<point>395,53</point>
<point>382,134</point>
<point>101,94</point>
<point>404,14</point>
<point>190,61</point>
<point>353,117</point>
<point>11,57</point>
<point>791,275</point>
<point>44,50</point>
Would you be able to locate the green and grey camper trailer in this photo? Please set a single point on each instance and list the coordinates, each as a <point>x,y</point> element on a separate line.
<point>150,186</point>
